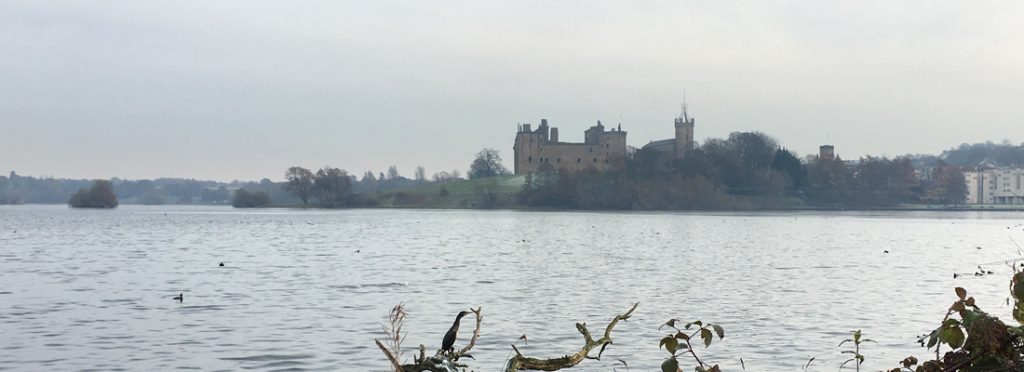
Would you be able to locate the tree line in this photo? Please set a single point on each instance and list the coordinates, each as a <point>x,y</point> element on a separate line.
<point>748,170</point>
<point>330,187</point>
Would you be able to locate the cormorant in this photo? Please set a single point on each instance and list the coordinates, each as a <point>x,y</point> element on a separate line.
<point>447,345</point>
<point>221,264</point>
<point>180,297</point>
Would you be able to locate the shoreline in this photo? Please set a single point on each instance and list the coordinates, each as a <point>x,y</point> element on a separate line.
<point>909,208</point>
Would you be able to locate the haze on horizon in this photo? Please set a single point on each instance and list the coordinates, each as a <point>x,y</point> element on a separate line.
<point>243,89</point>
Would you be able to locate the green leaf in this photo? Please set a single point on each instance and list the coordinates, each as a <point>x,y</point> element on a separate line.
<point>933,339</point>
<point>960,292</point>
<point>953,336</point>
<point>719,330</point>
<point>706,335</point>
<point>844,363</point>
<point>670,365</point>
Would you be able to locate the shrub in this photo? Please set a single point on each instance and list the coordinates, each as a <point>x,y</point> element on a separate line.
<point>250,199</point>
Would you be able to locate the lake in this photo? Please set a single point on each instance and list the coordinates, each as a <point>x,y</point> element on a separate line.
<point>92,289</point>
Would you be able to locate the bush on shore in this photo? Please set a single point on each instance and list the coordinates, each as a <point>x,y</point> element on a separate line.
<point>250,199</point>
<point>100,195</point>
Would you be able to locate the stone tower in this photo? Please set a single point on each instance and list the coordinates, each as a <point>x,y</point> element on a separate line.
<point>684,133</point>
<point>827,152</point>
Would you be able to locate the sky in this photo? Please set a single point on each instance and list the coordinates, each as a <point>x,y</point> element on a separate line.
<point>227,90</point>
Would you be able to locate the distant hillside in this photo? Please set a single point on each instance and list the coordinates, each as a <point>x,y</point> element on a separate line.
<point>971,155</point>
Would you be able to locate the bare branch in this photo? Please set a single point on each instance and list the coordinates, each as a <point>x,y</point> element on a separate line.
<point>391,357</point>
<point>476,332</point>
<point>519,362</point>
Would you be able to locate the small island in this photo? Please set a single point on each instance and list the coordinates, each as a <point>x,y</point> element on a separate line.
<point>100,195</point>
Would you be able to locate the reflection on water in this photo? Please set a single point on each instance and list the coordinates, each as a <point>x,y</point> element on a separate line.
<point>93,289</point>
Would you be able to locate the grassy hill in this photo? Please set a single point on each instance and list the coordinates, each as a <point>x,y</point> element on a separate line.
<point>492,192</point>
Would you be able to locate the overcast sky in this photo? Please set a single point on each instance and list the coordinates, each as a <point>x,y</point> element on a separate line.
<point>243,89</point>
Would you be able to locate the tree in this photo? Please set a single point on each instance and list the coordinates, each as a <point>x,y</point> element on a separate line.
<point>299,183</point>
<point>486,164</point>
<point>946,184</point>
<point>421,174</point>
<point>442,176</point>
<point>332,187</point>
<point>246,199</point>
<point>100,195</point>
<point>368,178</point>
<point>393,173</point>
<point>786,162</point>
<point>215,196</point>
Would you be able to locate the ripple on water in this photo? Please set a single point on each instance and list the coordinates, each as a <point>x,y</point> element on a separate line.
<point>785,286</point>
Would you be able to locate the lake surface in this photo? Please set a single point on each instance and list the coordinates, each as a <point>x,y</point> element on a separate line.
<point>91,290</point>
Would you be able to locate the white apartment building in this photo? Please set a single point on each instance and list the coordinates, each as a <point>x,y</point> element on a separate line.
<point>995,186</point>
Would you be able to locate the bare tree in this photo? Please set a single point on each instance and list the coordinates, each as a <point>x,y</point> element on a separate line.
<point>421,174</point>
<point>393,173</point>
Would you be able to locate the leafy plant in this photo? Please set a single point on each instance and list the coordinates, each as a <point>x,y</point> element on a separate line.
<point>679,344</point>
<point>977,341</point>
<point>857,356</point>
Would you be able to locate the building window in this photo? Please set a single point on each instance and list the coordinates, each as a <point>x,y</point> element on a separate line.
<point>591,149</point>
<point>529,159</point>
<point>578,160</point>
<point>559,160</point>
<point>595,160</point>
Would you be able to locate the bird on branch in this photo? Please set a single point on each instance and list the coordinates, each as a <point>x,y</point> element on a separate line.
<point>448,343</point>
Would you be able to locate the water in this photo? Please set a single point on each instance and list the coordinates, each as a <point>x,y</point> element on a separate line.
<point>91,290</point>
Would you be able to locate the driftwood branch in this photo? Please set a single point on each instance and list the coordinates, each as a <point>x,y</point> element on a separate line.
<point>391,356</point>
<point>520,363</point>
<point>476,332</point>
